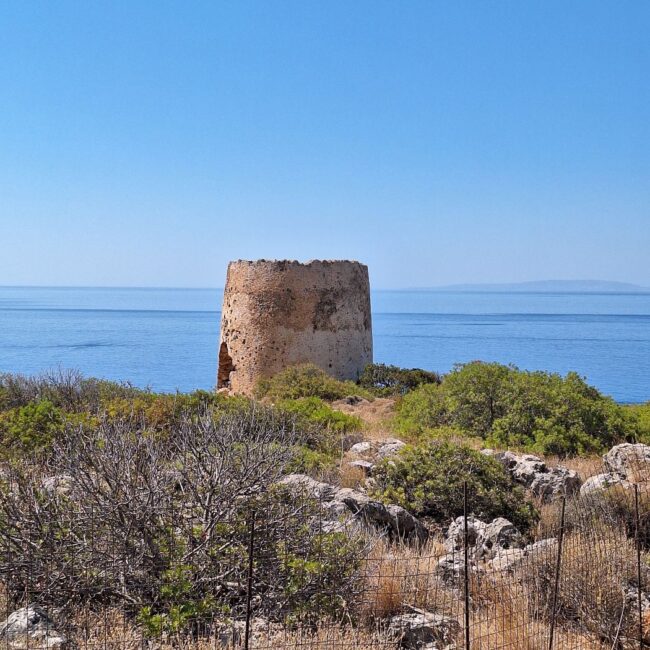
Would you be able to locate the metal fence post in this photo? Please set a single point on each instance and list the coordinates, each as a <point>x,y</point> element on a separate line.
<point>466,565</point>
<point>558,566</point>
<point>249,587</point>
<point>637,536</point>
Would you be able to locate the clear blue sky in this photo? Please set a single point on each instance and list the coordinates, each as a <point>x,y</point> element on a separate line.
<point>148,143</point>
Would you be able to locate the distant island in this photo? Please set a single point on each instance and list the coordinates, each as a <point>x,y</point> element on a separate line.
<point>550,286</point>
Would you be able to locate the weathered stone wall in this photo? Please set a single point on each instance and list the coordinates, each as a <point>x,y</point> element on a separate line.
<point>280,313</point>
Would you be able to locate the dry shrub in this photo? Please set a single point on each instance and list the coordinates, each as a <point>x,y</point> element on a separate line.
<point>549,519</point>
<point>614,507</point>
<point>507,625</point>
<point>504,616</point>
<point>159,527</point>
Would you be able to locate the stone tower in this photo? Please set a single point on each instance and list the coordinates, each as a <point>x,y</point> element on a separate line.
<point>280,313</point>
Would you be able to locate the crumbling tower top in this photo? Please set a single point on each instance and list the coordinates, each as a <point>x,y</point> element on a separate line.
<point>280,313</point>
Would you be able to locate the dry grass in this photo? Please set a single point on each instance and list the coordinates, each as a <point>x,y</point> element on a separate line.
<point>585,466</point>
<point>399,577</point>
<point>351,476</point>
<point>507,625</point>
<point>376,415</point>
<point>111,631</point>
<point>509,612</point>
<point>598,564</point>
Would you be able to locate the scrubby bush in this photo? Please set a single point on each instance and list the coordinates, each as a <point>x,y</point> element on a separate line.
<point>162,412</point>
<point>66,389</point>
<point>30,427</point>
<point>428,480</point>
<point>306,380</point>
<point>641,416</point>
<point>538,411</point>
<point>160,525</point>
<point>321,429</point>
<point>422,410</point>
<point>34,427</point>
<point>385,380</point>
<point>314,409</point>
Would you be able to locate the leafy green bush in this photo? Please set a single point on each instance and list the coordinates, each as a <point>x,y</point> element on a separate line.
<point>314,409</point>
<point>507,407</point>
<point>385,380</point>
<point>320,428</point>
<point>30,428</point>
<point>428,480</point>
<point>641,416</point>
<point>422,410</point>
<point>306,380</point>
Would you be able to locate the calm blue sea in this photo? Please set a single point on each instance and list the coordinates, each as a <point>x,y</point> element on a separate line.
<point>167,338</point>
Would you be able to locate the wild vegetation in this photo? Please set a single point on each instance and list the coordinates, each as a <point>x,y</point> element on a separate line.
<point>429,480</point>
<point>506,407</point>
<point>385,380</point>
<point>119,501</point>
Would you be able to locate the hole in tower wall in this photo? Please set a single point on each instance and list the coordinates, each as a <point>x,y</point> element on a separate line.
<point>225,367</point>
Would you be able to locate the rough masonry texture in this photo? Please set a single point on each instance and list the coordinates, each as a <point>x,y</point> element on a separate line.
<point>281,313</point>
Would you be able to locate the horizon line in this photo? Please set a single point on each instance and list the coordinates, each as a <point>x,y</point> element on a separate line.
<point>505,287</point>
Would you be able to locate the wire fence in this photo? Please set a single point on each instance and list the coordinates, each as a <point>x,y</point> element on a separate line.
<point>99,566</point>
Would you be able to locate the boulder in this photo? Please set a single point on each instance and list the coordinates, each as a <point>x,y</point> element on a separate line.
<point>450,567</point>
<point>484,540</point>
<point>508,559</point>
<point>500,534</point>
<point>512,558</point>
<point>323,492</point>
<point>361,448</point>
<point>405,525</point>
<point>338,502</point>
<point>391,447</point>
<point>421,629</point>
<point>547,483</point>
<point>602,482</point>
<point>397,521</point>
<point>364,465</point>
<point>455,538</point>
<point>629,461</point>
<point>30,628</point>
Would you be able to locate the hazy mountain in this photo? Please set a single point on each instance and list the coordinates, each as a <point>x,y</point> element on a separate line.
<point>552,286</point>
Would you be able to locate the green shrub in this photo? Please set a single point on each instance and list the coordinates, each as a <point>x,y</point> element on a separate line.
<point>306,460</point>
<point>314,409</point>
<point>421,410</point>
<point>30,428</point>
<point>320,428</point>
<point>306,380</point>
<point>640,413</point>
<point>386,380</point>
<point>538,411</point>
<point>428,481</point>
